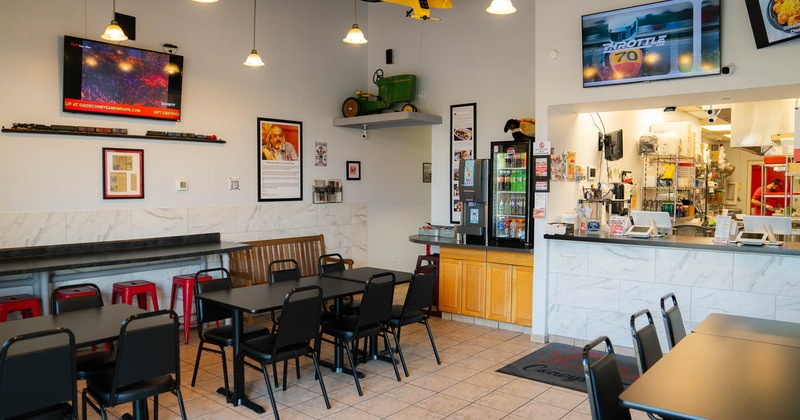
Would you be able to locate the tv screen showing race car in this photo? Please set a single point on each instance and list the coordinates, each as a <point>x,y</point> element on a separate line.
<point>656,41</point>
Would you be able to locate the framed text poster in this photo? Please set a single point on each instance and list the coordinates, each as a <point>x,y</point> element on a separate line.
<point>280,160</point>
<point>462,146</point>
<point>123,173</point>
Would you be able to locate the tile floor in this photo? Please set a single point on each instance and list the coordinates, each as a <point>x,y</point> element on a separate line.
<point>464,386</point>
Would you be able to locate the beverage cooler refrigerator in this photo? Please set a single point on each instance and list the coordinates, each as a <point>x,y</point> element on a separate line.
<point>510,221</point>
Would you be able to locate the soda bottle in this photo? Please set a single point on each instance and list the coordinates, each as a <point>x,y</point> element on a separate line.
<point>499,180</point>
<point>524,180</point>
<point>508,181</point>
<point>512,229</point>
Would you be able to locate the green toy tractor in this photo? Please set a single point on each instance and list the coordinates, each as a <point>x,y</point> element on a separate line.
<point>391,90</point>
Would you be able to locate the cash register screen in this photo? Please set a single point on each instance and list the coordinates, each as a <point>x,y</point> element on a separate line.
<point>639,229</point>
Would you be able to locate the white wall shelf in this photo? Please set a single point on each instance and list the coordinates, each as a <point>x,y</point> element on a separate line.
<point>388,120</point>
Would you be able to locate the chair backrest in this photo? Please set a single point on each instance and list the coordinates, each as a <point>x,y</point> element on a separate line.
<point>376,305</point>
<point>148,349</point>
<point>645,342</point>
<point>330,262</point>
<point>604,383</point>
<point>207,311</point>
<point>278,273</point>
<point>420,292</point>
<point>673,321</point>
<point>38,379</point>
<point>430,263</point>
<point>75,303</point>
<point>300,320</point>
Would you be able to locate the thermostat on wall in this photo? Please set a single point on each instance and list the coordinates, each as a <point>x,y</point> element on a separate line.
<point>182,185</point>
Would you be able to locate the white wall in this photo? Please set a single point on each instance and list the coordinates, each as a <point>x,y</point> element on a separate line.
<point>308,74</point>
<point>468,56</point>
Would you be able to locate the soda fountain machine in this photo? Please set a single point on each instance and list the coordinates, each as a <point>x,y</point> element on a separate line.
<point>473,188</point>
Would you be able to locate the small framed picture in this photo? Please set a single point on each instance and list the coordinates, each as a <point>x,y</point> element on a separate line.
<point>353,170</point>
<point>123,173</point>
<point>591,173</point>
<point>426,172</point>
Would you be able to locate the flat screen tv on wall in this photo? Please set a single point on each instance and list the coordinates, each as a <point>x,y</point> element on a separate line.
<point>656,41</point>
<point>110,79</point>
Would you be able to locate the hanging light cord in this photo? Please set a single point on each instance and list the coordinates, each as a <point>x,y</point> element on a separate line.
<point>254,24</point>
<point>114,5</point>
<point>355,12</point>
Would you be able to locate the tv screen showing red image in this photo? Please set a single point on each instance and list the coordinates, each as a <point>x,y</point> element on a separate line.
<point>110,79</point>
<point>655,41</point>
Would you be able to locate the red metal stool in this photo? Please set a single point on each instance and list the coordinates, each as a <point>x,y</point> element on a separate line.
<point>186,283</point>
<point>139,288</point>
<point>30,306</point>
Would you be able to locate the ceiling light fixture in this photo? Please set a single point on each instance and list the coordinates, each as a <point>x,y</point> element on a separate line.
<point>254,60</point>
<point>113,31</point>
<point>717,127</point>
<point>205,1</point>
<point>355,36</point>
<point>501,7</point>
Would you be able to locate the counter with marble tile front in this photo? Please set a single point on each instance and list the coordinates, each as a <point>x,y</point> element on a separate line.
<point>595,284</point>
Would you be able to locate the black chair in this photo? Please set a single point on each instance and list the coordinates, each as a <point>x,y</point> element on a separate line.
<point>372,319</point>
<point>419,297</point>
<point>673,321</point>
<point>220,337</point>
<point>88,362</point>
<point>645,342</point>
<point>277,272</point>
<point>39,384</point>
<point>604,383</point>
<point>148,364</point>
<point>335,262</point>
<point>331,262</point>
<point>300,323</point>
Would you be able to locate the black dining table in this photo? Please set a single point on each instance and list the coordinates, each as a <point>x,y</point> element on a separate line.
<point>90,326</point>
<point>724,370</point>
<point>266,297</point>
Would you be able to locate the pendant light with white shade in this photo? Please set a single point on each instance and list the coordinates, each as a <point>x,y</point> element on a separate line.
<point>355,36</point>
<point>501,7</point>
<point>254,60</point>
<point>113,31</point>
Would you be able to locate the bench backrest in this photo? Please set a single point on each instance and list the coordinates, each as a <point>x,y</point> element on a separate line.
<point>251,266</point>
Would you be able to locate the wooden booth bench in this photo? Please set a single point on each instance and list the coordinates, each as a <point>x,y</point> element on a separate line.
<point>250,266</point>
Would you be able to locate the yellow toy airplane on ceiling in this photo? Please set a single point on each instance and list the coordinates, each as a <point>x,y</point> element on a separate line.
<point>421,9</point>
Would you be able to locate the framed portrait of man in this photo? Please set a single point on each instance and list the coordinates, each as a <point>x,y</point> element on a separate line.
<point>280,160</point>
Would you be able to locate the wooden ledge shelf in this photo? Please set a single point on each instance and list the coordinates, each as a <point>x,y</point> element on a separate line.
<point>388,120</point>
<point>90,134</point>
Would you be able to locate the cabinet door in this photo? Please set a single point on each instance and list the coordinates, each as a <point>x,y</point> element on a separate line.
<point>450,285</point>
<point>498,291</point>
<point>522,296</point>
<point>473,289</point>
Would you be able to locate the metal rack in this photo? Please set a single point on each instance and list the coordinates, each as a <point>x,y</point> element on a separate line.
<point>665,194</point>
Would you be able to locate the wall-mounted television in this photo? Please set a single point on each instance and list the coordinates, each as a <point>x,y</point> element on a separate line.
<point>656,41</point>
<point>111,79</point>
<point>773,21</point>
<point>612,145</point>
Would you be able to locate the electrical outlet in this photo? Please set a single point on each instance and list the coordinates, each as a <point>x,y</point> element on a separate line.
<point>394,257</point>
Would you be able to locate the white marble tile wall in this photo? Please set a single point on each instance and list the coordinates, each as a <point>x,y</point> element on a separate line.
<point>594,288</point>
<point>344,226</point>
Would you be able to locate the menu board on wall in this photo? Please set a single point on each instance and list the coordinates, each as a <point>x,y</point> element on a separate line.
<point>462,147</point>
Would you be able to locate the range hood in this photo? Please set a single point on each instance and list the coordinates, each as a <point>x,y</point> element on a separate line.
<point>756,124</point>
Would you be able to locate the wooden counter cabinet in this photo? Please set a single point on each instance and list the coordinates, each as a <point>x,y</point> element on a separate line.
<point>493,285</point>
<point>461,281</point>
